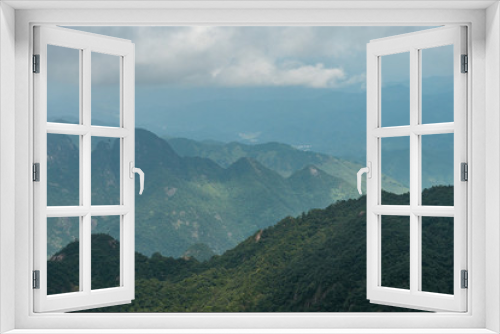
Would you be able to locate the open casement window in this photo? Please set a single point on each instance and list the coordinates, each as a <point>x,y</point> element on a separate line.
<point>399,233</point>
<point>78,198</point>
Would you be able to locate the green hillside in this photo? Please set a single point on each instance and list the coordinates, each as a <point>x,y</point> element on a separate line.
<point>187,200</point>
<point>315,262</point>
<point>200,252</point>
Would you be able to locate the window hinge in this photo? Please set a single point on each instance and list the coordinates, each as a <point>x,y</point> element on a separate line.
<point>36,63</point>
<point>465,64</point>
<point>36,172</point>
<point>465,279</point>
<point>464,171</point>
<point>36,279</point>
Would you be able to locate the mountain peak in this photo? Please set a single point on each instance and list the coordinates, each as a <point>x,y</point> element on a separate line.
<point>250,165</point>
<point>311,171</point>
<point>153,151</point>
<point>144,137</point>
<point>246,163</point>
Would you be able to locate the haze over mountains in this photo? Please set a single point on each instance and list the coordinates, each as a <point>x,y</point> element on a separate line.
<point>281,158</point>
<point>329,121</point>
<point>217,193</point>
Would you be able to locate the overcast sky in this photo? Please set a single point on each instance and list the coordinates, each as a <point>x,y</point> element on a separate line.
<point>317,57</point>
<point>184,72</point>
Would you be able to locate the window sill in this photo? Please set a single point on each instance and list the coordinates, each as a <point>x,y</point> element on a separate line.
<point>251,331</point>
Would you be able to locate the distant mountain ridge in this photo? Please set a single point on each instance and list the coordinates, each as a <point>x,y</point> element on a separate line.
<point>193,200</point>
<point>282,158</point>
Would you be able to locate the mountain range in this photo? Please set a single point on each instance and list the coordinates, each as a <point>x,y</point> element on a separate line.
<point>437,155</point>
<point>191,200</point>
<point>315,262</point>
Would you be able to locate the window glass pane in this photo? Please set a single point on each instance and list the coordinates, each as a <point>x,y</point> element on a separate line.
<point>105,89</point>
<point>395,251</point>
<point>105,171</point>
<point>63,255</point>
<point>437,169</point>
<point>395,168</point>
<point>105,252</point>
<point>437,84</point>
<point>395,89</point>
<point>63,170</point>
<point>437,254</point>
<point>63,85</point>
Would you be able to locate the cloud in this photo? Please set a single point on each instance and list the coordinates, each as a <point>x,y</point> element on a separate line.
<point>264,72</point>
<point>316,57</point>
<point>227,56</point>
<point>252,137</point>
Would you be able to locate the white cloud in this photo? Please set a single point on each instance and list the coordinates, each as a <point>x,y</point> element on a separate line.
<point>264,72</point>
<point>227,56</point>
<point>318,57</point>
<point>252,137</point>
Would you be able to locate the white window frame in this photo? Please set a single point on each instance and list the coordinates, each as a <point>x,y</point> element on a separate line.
<point>124,51</point>
<point>413,44</point>
<point>483,314</point>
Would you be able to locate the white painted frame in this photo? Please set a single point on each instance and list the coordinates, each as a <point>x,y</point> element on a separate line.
<point>86,43</point>
<point>483,17</point>
<point>413,44</point>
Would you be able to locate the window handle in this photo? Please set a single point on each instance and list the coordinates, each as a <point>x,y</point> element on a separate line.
<point>141,175</point>
<point>368,171</point>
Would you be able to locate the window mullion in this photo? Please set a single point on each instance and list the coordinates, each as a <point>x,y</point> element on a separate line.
<point>85,167</point>
<point>85,274</point>
<point>414,171</point>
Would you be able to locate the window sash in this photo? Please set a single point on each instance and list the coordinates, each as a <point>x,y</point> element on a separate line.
<point>86,297</point>
<point>414,298</point>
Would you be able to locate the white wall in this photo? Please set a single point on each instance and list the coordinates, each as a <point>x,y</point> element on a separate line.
<point>492,165</point>
<point>131,17</point>
<point>7,164</point>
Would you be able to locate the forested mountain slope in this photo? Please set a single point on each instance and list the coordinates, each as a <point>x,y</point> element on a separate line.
<point>315,262</point>
<point>189,200</point>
